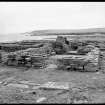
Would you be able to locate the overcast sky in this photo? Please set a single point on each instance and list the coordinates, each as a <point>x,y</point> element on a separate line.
<point>17,17</point>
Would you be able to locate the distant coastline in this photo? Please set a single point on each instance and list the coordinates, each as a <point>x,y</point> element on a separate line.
<point>98,33</point>
<point>67,32</point>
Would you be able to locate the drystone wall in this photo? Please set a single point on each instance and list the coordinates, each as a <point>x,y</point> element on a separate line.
<point>93,56</point>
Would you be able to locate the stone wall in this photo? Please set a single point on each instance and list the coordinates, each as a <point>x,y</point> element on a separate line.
<point>93,56</point>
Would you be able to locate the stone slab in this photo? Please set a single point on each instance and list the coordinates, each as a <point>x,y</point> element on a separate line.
<point>56,85</point>
<point>18,85</point>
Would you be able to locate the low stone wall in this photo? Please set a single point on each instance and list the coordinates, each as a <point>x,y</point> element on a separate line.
<point>93,56</point>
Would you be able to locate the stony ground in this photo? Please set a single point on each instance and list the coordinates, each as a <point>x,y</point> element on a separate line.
<point>85,87</point>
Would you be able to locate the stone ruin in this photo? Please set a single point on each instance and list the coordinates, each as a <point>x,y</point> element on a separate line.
<point>87,62</point>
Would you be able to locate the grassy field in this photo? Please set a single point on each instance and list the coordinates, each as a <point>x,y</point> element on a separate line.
<point>83,84</point>
<point>85,87</point>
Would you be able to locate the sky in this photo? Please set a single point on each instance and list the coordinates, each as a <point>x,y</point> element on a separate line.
<point>20,17</point>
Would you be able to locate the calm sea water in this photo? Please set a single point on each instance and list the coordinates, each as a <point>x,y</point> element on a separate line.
<point>19,37</point>
<point>9,38</point>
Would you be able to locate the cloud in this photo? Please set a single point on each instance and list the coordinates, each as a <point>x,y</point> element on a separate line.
<point>18,17</point>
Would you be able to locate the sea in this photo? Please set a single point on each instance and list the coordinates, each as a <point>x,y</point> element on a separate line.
<point>20,37</point>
